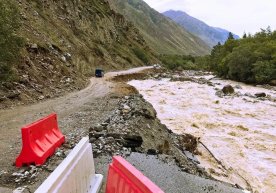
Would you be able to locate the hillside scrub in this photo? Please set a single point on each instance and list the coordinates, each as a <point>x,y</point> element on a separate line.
<point>10,43</point>
<point>183,62</point>
<point>179,62</point>
<point>251,59</point>
<point>141,55</point>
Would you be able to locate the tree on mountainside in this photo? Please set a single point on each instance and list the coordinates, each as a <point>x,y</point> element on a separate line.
<point>251,59</point>
<point>230,36</point>
<point>10,43</point>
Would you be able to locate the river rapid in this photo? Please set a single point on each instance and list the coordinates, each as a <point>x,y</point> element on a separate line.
<point>239,130</point>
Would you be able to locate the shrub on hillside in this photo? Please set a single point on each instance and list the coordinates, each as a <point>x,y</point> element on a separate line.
<point>179,62</point>
<point>141,55</point>
<point>10,43</point>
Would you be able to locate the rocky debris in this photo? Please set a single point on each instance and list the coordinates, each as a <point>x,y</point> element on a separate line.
<point>23,189</point>
<point>39,73</point>
<point>186,142</point>
<point>181,78</point>
<point>27,174</point>
<point>68,56</point>
<point>191,157</point>
<point>228,89</point>
<point>261,94</point>
<point>157,66</point>
<point>115,133</point>
<point>249,95</point>
<point>219,93</point>
<point>41,97</point>
<point>63,59</point>
<point>34,47</point>
<point>272,82</point>
<point>13,95</point>
<point>238,87</point>
<point>199,77</point>
<point>133,127</point>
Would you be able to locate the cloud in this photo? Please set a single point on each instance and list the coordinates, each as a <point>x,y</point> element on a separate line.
<point>238,16</point>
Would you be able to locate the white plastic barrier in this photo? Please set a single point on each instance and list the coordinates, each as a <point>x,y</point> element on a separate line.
<point>76,174</point>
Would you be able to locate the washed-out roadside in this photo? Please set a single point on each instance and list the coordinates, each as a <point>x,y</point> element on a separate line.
<point>118,121</point>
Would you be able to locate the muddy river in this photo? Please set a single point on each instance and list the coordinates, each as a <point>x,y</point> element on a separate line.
<point>240,131</point>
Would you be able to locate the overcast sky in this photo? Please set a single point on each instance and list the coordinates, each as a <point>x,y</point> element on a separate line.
<point>238,16</point>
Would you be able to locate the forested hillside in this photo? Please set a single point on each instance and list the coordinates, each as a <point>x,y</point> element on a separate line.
<point>251,59</point>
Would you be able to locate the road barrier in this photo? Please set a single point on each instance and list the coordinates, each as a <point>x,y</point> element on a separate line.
<point>124,178</point>
<point>76,174</point>
<point>39,141</point>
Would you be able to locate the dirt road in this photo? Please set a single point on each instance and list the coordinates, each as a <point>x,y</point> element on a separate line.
<point>91,99</point>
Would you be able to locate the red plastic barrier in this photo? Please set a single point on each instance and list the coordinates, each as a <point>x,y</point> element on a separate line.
<point>124,178</point>
<point>40,140</point>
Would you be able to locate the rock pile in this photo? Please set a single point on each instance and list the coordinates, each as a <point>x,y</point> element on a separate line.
<point>134,127</point>
<point>117,134</point>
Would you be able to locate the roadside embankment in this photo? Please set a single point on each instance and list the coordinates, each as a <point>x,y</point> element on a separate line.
<point>119,122</point>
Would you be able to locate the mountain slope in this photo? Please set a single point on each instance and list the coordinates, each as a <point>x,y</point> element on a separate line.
<point>210,35</point>
<point>162,34</point>
<point>65,41</point>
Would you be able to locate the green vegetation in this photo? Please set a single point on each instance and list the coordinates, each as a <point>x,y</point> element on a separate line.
<point>251,59</point>
<point>141,55</point>
<point>10,43</point>
<point>179,62</point>
<point>183,62</point>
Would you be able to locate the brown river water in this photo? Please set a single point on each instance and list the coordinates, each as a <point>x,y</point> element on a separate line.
<point>239,131</point>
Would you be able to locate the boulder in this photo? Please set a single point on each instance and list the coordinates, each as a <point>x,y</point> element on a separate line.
<point>272,82</point>
<point>21,190</point>
<point>248,94</point>
<point>260,94</point>
<point>126,109</point>
<point>63,59</point>
<point>13,95</point>
<point>34,46</point>
<point>219,93</point>
<point>228,89</point>
<point>97,128</point>
<point>238,87</point>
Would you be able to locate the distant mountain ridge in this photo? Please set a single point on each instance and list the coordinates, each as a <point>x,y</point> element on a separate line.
<point>210,35</point>
<point>163,35</point>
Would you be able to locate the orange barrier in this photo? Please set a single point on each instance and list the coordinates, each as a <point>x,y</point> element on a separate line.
<point>39,141</point>
<point>124,178</point>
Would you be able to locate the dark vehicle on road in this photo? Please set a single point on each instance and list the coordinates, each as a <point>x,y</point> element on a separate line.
<point>99,73</point>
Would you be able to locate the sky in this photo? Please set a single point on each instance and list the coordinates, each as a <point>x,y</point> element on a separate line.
<point>237,16</point>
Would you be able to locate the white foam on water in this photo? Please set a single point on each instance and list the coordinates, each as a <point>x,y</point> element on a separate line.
<point>239,131</point>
